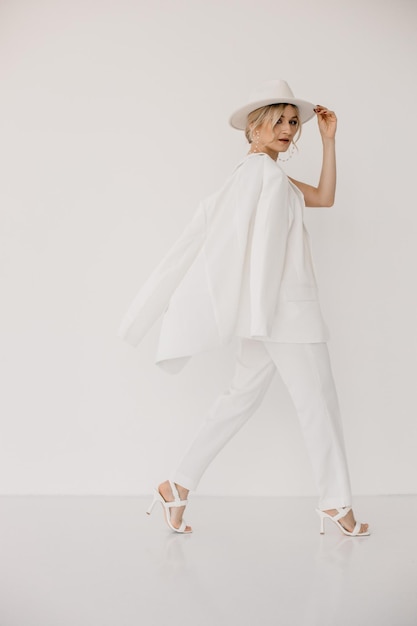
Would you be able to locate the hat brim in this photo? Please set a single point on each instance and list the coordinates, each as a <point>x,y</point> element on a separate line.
<point>238,119</point>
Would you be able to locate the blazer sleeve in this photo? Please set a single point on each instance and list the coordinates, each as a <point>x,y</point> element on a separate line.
<point>154,295</point>
<point>267,196</point>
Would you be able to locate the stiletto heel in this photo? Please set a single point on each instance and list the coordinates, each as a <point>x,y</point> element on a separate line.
<point>335,518</point>
<point>166,506</point>
<point>154,501</point>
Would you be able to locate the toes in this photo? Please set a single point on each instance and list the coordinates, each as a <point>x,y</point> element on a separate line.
<point>363,529</point>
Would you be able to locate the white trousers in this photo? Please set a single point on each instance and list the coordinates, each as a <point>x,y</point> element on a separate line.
<point>306,372</point>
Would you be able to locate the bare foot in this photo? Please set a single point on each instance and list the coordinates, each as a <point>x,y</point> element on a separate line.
<point>348,521</point>
<point>175,511</point>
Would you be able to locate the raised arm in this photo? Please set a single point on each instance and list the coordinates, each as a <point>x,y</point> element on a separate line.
<point>323,195</point>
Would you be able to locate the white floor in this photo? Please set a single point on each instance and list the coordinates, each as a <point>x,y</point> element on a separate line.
<point>100,561</point>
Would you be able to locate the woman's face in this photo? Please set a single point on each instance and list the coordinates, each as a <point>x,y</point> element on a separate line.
<point>278,138</point>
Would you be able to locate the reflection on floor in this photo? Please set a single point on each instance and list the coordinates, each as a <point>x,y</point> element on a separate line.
<point>100,561</point>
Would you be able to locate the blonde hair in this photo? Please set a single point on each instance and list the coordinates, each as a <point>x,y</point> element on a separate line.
<point>270,113</point>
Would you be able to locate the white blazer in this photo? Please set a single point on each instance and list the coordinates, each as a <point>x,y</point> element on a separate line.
<point>242,267</point>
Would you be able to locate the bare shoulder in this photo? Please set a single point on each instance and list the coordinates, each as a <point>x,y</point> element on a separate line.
<point>303,187</point>
<point>310,193</point>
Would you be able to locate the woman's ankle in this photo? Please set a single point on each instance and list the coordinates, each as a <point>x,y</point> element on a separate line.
<point>183,491</point>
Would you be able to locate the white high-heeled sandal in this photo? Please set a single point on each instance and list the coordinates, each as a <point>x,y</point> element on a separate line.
<point>168,505</point>
<point>335,518</point>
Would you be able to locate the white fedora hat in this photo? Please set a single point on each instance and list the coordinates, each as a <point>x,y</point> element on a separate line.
<point>271,92</point>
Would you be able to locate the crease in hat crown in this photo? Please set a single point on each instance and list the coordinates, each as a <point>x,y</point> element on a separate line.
<point>270,92</point>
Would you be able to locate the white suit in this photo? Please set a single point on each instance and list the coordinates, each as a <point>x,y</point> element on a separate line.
<point>243,267</point>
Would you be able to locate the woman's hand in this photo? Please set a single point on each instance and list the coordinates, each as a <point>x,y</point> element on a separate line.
<point>327,122</point>
<point>324,193</point>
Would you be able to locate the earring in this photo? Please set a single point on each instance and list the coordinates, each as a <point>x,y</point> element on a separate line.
<point>256,142</point>
<point>291,151</point>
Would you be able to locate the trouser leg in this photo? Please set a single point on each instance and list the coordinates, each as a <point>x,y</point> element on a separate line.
<point>253,373</point>
<point>306,372</point>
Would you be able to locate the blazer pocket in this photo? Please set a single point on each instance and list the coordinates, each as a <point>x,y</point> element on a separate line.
<point>300,292</point>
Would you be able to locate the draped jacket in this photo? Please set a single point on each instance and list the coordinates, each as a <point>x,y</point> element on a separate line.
<point>241,267</point>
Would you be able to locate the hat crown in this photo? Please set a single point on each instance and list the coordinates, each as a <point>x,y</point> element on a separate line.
<point>272,89</point>
<point>271,92</point>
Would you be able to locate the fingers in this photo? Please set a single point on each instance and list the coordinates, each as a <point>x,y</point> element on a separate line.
<point>327,121</point>
<point>323,111</point>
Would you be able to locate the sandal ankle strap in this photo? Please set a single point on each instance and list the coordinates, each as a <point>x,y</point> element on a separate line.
<point>169,505</point>
<point>342,512</point>
<point>177,499</point>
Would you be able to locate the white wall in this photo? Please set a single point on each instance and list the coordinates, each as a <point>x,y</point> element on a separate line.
<point>113,126</point>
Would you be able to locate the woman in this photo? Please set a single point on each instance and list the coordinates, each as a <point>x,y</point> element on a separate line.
<point>243,268</point>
